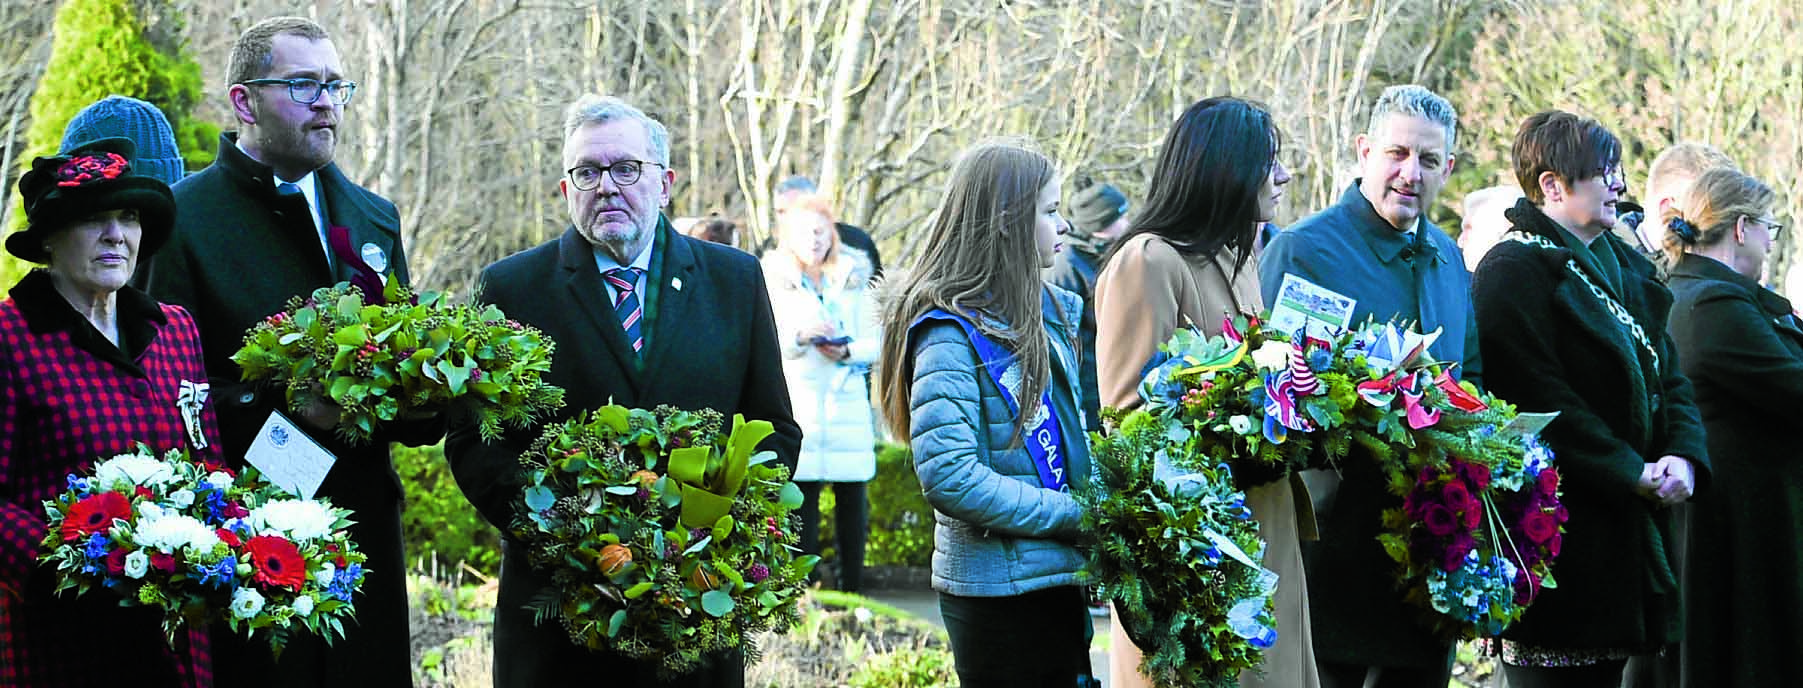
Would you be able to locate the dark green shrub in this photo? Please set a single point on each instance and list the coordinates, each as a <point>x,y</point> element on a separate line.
<point>438,522</point>
<point>927,666</point>
<point>901,521</point>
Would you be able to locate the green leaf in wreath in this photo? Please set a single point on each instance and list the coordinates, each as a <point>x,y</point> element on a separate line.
<point>638,590</point>
<point>349,306</point>
<point>700,508</point>
<point>669,493</point>
<point>791,497</point>
<point>723,527</point>
<point>626,490</point>
<point>614,417</point>
<point>698,545</point>
<point>717,603</point>
<point>290,338</point>
<point>615,622</point>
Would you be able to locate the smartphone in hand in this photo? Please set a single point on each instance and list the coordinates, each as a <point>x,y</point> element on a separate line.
<point>830,341</point>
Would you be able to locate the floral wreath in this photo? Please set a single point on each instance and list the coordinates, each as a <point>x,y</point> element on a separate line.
<point>1479,521</point>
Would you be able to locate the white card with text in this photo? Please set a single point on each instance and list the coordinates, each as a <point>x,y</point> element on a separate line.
<point>288,458</point>
<point>1300,303</point>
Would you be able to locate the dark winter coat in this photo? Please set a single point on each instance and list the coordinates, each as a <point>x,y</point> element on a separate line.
<point>1743,351</point>
<point>1074,270</point>
<point>710,343</point>
<point>238,253</point>
<point>1356,612</point>
<point>1550,344</point>
<point>69,398</point>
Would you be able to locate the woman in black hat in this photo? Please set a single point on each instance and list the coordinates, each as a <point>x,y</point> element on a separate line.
<point>89,368</point>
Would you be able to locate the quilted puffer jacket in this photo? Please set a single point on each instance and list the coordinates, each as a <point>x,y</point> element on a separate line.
<point>998,532</point>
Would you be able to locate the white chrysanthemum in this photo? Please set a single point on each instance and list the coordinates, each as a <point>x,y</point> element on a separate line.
<point>303,605</point>
<point>1273,355</point>
<point>149,511</point>
<point>219,480</point>
<point>173,532</point>
<point>182,499</point>
<point>299,520</point>
<point>246,603</point>
<point>130,470</point>
<point>324,574</point>
<point>137,564</point>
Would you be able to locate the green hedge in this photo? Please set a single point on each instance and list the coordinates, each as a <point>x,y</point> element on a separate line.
<point>438,522</point>
<point>901,521</point>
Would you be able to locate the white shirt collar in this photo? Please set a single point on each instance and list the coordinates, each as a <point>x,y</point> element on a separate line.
<point>642,261</point>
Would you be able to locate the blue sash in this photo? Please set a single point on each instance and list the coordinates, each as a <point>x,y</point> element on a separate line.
<point>1045,438</point>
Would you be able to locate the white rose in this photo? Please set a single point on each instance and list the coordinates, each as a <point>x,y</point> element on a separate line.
<point>219,480</point>
<point>130,470</point>
<point>300,520</point>
<point>1241,424</point>
<point>182,499</point>
<point>1273,355</point>
<point>303,605</point>
<point>325,573</point>
<point>246,603</point>
<point>137,564</point>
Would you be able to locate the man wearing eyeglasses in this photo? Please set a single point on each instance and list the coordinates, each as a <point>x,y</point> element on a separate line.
<point>642,316</point>
<point>273,218</point>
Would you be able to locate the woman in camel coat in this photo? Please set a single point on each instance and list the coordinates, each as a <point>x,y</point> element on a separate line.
<point>1188,261</point>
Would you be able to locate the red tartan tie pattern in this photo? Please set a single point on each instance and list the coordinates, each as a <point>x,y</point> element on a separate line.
<point>626,303</point>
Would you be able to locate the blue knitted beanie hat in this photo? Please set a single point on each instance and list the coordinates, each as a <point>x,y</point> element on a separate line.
<point>134,119</point>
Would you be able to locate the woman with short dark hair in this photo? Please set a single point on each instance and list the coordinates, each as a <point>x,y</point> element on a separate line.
<point>1572,320</point>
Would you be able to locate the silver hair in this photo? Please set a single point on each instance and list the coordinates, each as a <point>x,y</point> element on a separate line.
<point>1417,101</point>
<point>594,109</point>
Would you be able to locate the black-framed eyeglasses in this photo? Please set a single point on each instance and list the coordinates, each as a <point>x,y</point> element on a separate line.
<point>1772,227</point>
<point>624,172</point>
<point>307,91</point>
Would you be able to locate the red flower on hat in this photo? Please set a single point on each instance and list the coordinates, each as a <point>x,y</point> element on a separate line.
<point>82,170</point>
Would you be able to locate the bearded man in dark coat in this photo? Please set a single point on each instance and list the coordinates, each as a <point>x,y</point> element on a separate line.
<point>271,219</point>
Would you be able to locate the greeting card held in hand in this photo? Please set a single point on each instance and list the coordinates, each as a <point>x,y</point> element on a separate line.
<point>288,458</point>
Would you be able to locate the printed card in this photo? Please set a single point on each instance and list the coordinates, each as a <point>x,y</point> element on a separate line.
<point>1303,305</point>
<point>288,458</point>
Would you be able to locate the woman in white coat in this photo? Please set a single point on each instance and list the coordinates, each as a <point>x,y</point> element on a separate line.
<point>826,320</point>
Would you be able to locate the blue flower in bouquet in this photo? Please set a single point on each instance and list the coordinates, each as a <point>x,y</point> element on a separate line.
<point>95,552</point>
<point>214,501</point>
<point>344,582</point>
<point>1471,591</point>
<point>1537,457</point>
<point>1320,360</point>
<point>81,486</point>
<point>1159,385</point>
<point>220,575</point>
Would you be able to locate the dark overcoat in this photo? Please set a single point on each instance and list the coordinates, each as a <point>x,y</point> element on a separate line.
<point>238,253</point>
<point>1743,351</point>
<point>711,344</point>
<point>1356,612</point>
<point>1551,344</point>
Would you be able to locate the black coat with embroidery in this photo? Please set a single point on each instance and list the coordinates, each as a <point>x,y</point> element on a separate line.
<point>1551,344</point>
<point>238,253</point>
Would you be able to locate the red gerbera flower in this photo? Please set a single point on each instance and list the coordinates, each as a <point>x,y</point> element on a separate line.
<point>94,514</point>
<point>277,562</point>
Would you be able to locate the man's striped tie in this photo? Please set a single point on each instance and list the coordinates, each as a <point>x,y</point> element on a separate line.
<point>626,303</point>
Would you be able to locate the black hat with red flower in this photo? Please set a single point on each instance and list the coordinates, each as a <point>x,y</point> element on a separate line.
<point>95,176</point>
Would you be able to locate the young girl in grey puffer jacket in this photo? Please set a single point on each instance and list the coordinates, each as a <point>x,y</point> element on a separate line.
<point>979,370</point>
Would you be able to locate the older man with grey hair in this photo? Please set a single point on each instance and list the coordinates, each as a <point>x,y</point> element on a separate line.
<point>1378,247</point>
<point>643,316</point>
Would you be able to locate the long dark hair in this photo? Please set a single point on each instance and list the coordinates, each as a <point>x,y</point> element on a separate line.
<point>1204,193</point>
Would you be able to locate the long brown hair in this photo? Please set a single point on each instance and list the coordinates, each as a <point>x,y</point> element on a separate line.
<point>980,258</point>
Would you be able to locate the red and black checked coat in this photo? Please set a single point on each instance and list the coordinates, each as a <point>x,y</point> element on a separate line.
<point>67,398</point>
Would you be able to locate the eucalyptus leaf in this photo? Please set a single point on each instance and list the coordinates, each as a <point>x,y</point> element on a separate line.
<point>717,603</point>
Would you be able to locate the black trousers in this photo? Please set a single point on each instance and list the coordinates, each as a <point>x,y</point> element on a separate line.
<point>851,527</point>
<point>1336,675</point>
<point>1036,640</point>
